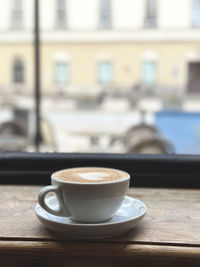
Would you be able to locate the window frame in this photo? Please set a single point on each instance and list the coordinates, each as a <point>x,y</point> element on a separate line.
<point>160,171</point>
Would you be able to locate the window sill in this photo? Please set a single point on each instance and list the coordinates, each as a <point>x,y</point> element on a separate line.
<point>166,171</point>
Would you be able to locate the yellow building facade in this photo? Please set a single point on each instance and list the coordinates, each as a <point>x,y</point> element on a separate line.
<point>82,58</point>
<point>93,44</point>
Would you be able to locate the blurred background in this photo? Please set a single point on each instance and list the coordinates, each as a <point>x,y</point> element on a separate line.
<point>119,76</point>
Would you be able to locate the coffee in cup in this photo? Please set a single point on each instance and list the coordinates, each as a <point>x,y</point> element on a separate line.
<point>90,175</point>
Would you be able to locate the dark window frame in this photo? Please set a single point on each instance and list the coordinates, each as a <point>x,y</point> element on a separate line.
<point>161,171</point>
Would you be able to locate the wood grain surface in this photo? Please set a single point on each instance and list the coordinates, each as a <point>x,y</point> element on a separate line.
<point>91,254</point>
<point>169,233</point>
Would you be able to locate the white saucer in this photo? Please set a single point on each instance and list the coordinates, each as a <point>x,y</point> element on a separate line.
<point>130,213</point>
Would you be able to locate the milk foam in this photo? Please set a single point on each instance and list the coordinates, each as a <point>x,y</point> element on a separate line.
<point>93,176</point>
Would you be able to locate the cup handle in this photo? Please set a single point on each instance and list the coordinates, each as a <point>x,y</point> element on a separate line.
<point>62,210</point>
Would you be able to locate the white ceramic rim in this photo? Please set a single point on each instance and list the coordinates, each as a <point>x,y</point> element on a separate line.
<point>93,183</point>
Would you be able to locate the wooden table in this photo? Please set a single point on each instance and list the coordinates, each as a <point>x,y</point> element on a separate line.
<point>169,235</point>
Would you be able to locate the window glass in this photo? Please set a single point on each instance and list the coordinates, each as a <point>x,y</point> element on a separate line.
<point>105,72</point>
<point>18,71</point>
<point>61,73</point>
<point>17,14</point>
<point>196,13</point>
<point>60,14</point>
<point>151,14</point>
<point>105,14</point>
<point>149,72</point>
<point>117,76</point>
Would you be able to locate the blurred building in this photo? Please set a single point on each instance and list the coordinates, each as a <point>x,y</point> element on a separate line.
<point>117,45</point>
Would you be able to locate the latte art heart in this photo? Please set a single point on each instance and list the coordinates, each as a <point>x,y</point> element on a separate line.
<point>93,176</point>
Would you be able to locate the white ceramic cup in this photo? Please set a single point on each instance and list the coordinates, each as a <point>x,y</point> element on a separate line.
<point>86,202</point>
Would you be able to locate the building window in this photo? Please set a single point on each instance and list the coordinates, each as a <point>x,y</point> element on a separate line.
<point>61,73</point>
<point>194,77</point>
<point>105,72</point>
<point>105,14</point>
<point>150,19</point>
<point>17,15</point>
<point>60,14</point>
<point>196,13</point>
<point>18,71</point>
<point>149,73</point>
